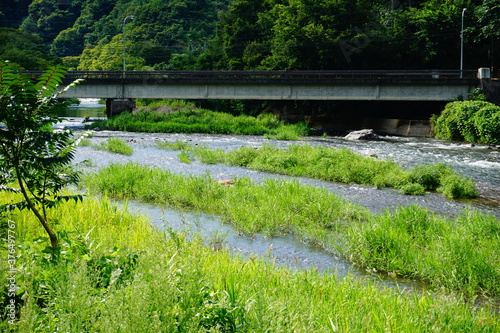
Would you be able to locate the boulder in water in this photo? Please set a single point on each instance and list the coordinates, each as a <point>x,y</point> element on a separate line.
<point>365,134</point>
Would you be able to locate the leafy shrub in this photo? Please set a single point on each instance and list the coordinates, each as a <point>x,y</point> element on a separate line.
<point>487,123</point>
<point>455,187</point>
<point>429,176</point>
<point>413,189</point>
<point>470,121</point>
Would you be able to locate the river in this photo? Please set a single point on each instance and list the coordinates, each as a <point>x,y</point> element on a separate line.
<point>480,163</point>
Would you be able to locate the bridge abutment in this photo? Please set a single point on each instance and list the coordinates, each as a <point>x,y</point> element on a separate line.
<point>489,86</point>
<point>116,106</point>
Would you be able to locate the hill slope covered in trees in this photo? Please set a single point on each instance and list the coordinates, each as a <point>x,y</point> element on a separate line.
<point>249,34</point>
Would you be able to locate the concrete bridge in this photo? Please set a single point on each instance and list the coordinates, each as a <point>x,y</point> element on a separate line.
<point>423,85</point>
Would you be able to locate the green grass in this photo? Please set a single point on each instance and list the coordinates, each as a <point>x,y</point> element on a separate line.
<point>461,253</point>
<point>191,120</point>
<point>274,207</point>
<point>115,145</point>
<point>117,274</point>
<point>339,165</point>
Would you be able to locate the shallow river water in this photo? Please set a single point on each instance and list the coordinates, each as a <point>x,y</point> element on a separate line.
<point>479,163</point>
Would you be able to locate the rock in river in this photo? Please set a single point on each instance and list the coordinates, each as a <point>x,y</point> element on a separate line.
<point>365,134</point>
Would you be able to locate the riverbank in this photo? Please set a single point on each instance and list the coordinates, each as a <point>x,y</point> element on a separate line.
<point>410,242</point>
<point>117,274</point>
<point>199,271</point>
<point>336,165</point>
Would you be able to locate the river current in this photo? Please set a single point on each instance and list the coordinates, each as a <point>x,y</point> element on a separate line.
<point>480,163</point>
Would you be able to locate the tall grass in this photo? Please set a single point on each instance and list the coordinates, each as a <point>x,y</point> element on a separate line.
<point>339,165</point>
<point>457,254</point>
<point>273,207</point>
<point>120,275</point>
<point>115,145</point>
<point>190,120</point>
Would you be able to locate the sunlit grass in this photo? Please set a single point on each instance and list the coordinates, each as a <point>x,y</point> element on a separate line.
<point>461,253</point>
<point>273,207</point>
<point>190,120</point>
<point>119,275</point>
<point>115,145</point>
<point>338,165</point>
<point>401,242</point>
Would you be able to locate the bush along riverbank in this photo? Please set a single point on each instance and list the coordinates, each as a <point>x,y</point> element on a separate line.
<point>460,254</point>
<point>192,120</point>
<point>338,165</point>
<point>469,121</point>
<point>114,273</point>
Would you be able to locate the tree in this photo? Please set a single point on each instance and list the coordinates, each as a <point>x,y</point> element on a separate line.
<point>488,15</point>
<point>108,56</point>
<point>32,156</point>
<point>23,48</point>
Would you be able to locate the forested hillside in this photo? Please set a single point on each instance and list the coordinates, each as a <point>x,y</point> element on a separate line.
<point>88,34</point>
<point>250,34</point>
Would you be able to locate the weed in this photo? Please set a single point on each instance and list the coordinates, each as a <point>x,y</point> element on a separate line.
<point>455,187</point>
<point>115,145</point>
<point>184,158</point>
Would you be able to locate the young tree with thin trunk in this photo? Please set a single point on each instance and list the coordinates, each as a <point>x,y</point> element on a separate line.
<point>34,159</point>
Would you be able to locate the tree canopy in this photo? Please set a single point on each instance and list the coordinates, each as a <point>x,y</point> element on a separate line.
<point>266,34</point>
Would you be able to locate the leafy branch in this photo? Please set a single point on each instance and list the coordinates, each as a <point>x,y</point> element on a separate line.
<point>36,160</point>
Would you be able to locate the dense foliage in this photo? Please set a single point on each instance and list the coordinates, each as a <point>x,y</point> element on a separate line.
<point>88,34</point>
<point>268,34</point>
<point>470,121</point>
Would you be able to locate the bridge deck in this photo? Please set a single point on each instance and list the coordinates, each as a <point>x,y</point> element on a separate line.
<point>428,85</point>
<point>272,76</point>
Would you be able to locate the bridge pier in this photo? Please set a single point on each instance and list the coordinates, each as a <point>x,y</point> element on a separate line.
<point>116,106</point>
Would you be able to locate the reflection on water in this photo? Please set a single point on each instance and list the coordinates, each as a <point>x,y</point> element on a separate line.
<point>283,250</point>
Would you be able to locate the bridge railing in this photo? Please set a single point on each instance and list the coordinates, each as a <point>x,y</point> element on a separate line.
<point>269,75</point>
